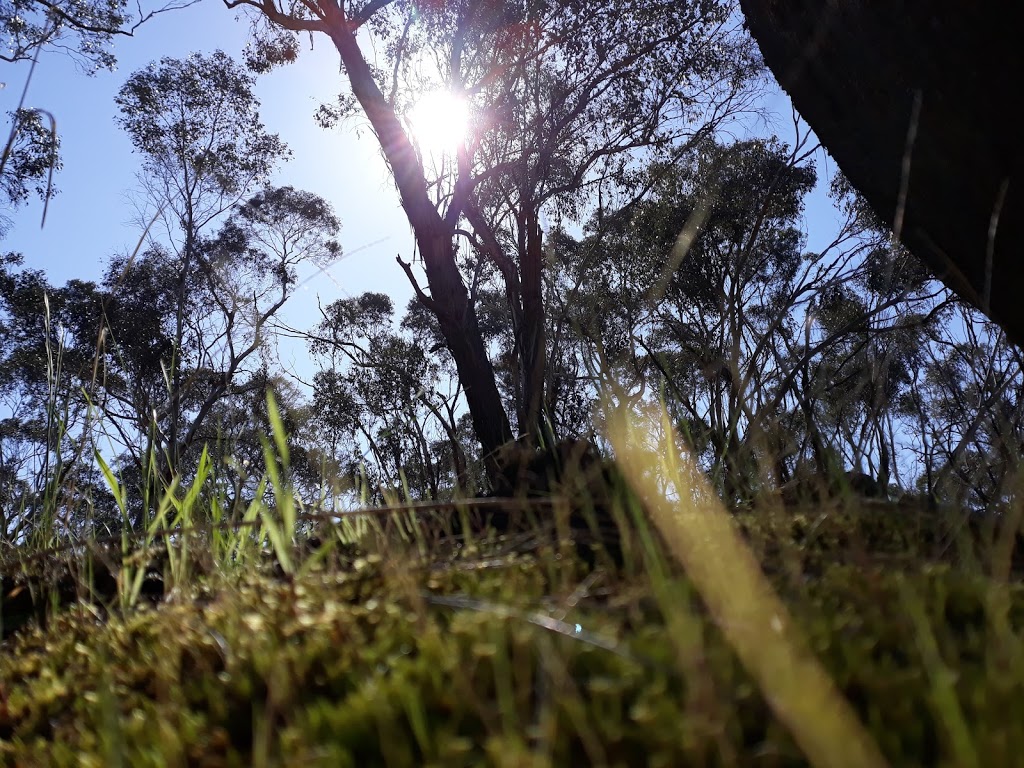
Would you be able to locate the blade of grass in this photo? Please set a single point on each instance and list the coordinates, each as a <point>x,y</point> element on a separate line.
<point>280,535</point>
<point>943,692</point>
<point>701,536</point>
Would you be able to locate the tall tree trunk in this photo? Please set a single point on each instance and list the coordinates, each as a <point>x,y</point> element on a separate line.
<point>449,299</point>
<point>169,459</point>
<point>533,339</point>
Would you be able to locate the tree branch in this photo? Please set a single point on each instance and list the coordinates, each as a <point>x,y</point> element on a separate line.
<point>364,14</point>
<point>425,300</point>
<point>285,20</point>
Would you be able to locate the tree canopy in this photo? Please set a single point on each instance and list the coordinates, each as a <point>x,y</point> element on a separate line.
<point>561,97</point>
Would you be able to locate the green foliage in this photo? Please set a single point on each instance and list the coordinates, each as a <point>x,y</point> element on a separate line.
<point>30,159</point>
<point>197,121</point>
<point>378,406</point>
<point>83,29</point>
<point>165,354</point>
<point>563,100</point>
<point>497,653</point>
<point>770,359</point>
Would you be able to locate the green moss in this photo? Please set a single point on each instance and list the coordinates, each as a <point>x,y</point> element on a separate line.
<point>516,658</point>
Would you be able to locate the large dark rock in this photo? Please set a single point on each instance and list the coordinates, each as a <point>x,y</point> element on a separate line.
<point>854,70</point>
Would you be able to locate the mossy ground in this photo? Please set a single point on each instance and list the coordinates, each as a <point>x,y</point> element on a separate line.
<point>513,651</point>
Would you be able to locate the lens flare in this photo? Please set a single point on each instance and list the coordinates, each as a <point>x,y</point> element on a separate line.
<point>438,122</point>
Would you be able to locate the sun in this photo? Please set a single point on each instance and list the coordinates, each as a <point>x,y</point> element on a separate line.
<point>439,121</point>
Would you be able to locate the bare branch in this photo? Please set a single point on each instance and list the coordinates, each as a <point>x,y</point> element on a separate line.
<point>424,299</point>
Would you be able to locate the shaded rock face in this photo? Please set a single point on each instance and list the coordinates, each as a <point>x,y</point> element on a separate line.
<point>868,76</point>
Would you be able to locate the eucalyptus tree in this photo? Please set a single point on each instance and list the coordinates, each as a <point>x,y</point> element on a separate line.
<point>767,356</point>
<point>694,285</point>
<point>28,162</point>
<point>47,340</point>
<point>383,407</point>
<point>189,316</point>
<point>864,340</point>
<point>561,96</point>
<point>195,122</point>
<point>180,326</point>
<point>969,394</point>
<point>85,30</point>
<point>180,342</point>
<point>91,366</point>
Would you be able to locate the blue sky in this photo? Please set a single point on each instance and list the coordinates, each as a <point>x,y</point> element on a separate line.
<point>91,218</point>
